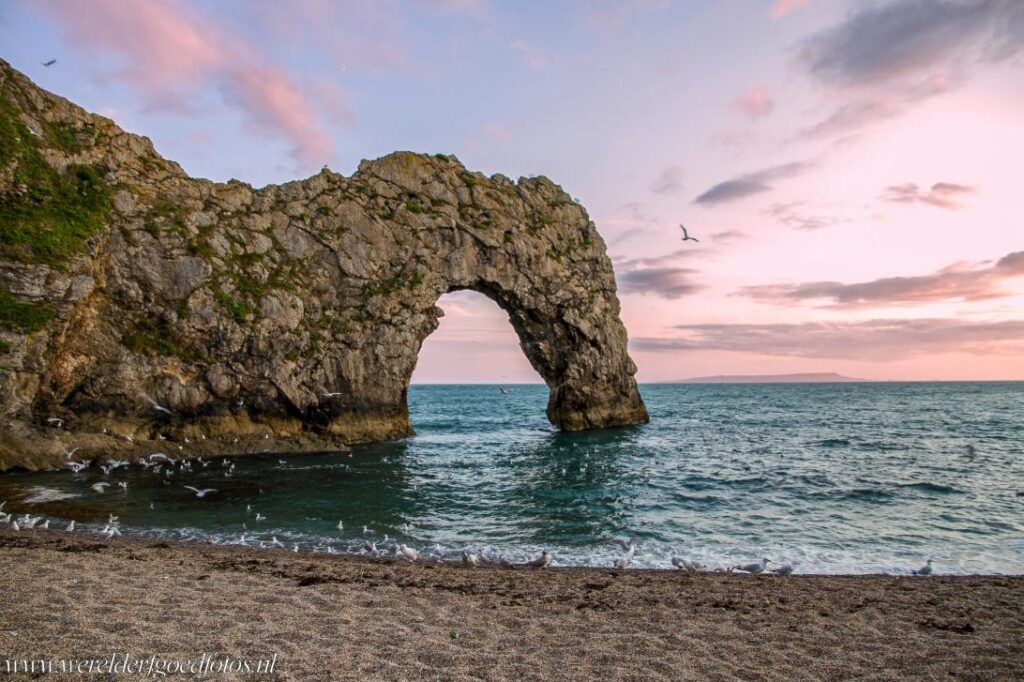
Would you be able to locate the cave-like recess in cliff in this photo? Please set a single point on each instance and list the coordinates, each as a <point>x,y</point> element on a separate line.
<point>174,307</point>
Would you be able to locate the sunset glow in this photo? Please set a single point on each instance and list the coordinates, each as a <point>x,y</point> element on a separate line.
<point>850,169</point>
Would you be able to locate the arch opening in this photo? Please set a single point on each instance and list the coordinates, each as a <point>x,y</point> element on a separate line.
<point>474,343</point>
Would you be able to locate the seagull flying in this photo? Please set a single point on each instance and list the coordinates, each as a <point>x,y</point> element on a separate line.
<point>686,235</point>
<point>627,544</point>
<point>49,62</point>
<point>70,453</point>
<point>100,487</point>
<point>157,406</point>
<point>203,492</point>
<point>329,394</point>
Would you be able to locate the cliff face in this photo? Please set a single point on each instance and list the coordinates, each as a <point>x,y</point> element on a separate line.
<point>137,303</point>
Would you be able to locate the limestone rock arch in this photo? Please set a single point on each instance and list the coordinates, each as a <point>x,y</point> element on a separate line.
<point>291,313</point>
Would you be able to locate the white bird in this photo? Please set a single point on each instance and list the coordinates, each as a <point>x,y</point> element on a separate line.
<point>542,561</point>
<point>436,553</point>
<point>627,544</point>
<point>100,487</point>
<point>295,547</point>
<point>70,453</point>
<point>371,548</point>
<point>753,568</point>
<point>623,561</point>
<point>924,570</point>
<point>274,542</point>
<point>14,526</point>
<point>157,406</point>
<point>407,553</point>
<point>260,517</point>
<point>203,492</point>
<point>46,525</point>
<point>341,525</point>
<point>504,391</point>
<point>71,526</point>
<point>784,569</point>
<point>686,564</point>
<point>113,520</point>
<point>470,558</point>
<point>241,540</point>
<point>55,421</point>
<point>77,467</point>
<point>123,485</point>
<point>686,235</point>
<point>329,394</point>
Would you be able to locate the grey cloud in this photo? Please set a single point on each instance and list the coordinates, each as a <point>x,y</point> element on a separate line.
<point>958,282</point>
<point>666,282</point>
<point>906,37</point>
<point>868,340</point>
<point>629,264</point>
<point>885,58</point>
<point>793,215</point>
<point>942,194</point>
<point>751,183</point>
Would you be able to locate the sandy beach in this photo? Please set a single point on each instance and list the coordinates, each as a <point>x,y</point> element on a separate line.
<point>74,596</point>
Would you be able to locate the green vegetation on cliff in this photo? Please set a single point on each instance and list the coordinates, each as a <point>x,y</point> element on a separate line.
<point>23,317</point>
<point>45,215</point>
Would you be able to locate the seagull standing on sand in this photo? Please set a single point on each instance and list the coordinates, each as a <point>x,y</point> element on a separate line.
<point>407,553</point>
<point>543,561</point>
<point>924,570</point>
<point>784,569</point>
<point>754,568</point>
<point>71,527</point>
<point>470,558</point>
<point>686,235</point>
<point>686,564</point>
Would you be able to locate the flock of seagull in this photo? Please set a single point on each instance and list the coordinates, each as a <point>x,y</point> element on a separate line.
<point>167,467</point>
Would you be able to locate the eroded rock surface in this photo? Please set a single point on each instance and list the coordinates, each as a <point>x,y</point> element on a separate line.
<point>137,302</point>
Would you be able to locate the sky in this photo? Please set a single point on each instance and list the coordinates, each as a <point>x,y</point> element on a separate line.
<point>851,168</point>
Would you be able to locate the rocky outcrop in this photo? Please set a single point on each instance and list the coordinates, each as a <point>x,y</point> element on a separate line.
<point>137,303</point>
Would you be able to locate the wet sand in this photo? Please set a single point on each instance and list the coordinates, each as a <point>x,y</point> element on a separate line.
<point>333,617</point>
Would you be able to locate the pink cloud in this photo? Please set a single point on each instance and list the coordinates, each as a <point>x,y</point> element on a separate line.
<point>756,102</point>
<point>172,51</point>
<point>783,7</point>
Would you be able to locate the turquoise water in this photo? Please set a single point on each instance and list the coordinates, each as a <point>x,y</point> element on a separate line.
<point>842,478</point>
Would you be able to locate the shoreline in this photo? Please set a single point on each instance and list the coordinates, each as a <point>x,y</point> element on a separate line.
<point>381,619</point>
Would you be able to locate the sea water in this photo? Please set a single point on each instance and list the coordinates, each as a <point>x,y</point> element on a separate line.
<point>838,478</point>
